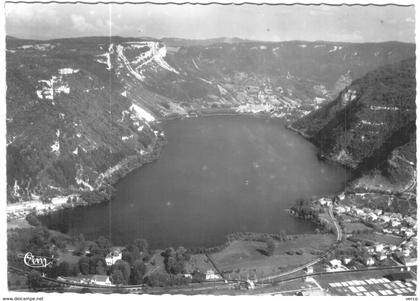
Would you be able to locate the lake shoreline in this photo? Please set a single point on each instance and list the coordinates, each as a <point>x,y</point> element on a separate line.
<point>18,211</point>
<point>274,131</point>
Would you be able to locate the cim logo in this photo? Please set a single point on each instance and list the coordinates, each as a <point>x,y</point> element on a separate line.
<point>34,261</point>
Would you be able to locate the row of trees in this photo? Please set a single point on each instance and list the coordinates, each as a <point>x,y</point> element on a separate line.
<point>175,260</point>
<point>124,273</point>
<point>304,209</point>
<point>130,270</point>
<point>100,246</point>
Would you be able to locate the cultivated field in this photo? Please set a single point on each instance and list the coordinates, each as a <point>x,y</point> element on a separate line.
<point>243,259</point>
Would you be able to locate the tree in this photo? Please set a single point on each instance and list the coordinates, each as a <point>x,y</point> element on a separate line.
<point>100,267</point>
<point>117,277</point>
<point>103,242</point>
<point>174,266</point>
<point>103,245</point>
<point>198,276</point>
<point>158,279</point>
<point>75,270</point>
<point>125,269</point>
<point>131,253</point>
<point>97,265</point>
<point>169,252</point>
<point>64,269</point>
<point>80,245</point>
<point>94,249</point>
<point>34,279</point>
<point>270,246</point>
<point>175,260</point>
<point>139,270</point>
<point>40,242</point>
<point>142,245</point>
<point>84,265</point>
<point>182,254</point>
<point>33,220</point>
<point>52,271</point>
<point>59,241</point>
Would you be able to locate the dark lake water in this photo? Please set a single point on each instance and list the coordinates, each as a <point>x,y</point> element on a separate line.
<point>215,176</point>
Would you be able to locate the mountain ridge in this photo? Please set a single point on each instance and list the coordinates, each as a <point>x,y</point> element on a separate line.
<point>365,125</point>
<point>198,41</point>
<point>77,108</point>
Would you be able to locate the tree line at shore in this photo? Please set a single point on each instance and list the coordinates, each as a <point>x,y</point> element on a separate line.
<point>137,264</point>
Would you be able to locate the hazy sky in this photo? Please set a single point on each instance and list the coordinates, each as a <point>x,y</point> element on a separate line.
<point>270,23</point>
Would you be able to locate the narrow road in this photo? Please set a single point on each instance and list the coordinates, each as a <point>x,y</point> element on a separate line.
<point>151,271</point>
<point>295,270</point>
<point>214,265</point>
<point>302,267</point>
<point>337,226</point>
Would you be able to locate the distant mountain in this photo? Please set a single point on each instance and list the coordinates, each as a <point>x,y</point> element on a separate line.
<point>77,109</point>
<point>287,79</point>
<point>205,42</point>
<point>370,125</point>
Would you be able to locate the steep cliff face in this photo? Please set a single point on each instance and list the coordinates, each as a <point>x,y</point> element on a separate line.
<point>370,127</point>
<point>67,122</point>
<point>285,79</point>
<point>362,120</point>
<point>79,109</point>
<point>397,173</point>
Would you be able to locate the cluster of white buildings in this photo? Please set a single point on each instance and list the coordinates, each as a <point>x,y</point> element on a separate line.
<point>391,223</point>
<point>113,257</point>
<point>101,280</point>
<point>341,265</point>
<point>261,98</point>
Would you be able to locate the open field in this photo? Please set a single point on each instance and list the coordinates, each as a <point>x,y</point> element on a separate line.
<point>243,259</point>
<point>198,262</point>
<point>380,238</point>
<point>18,223</point>
<point>67,255</point>
<point>355,227</point>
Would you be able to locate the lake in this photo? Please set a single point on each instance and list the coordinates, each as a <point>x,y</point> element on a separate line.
<point>216,175</point>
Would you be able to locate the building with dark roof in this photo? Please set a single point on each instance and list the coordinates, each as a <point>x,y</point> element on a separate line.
<point>402,276</point>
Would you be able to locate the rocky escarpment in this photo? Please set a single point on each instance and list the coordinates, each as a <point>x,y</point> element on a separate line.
<point>79,109</point>
<point>370,127</point>
<point>68,125</point>
<point>286,79</point>
<point>395,173</point>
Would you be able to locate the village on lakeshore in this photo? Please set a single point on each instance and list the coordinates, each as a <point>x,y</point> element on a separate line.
<point>223,149</point>
<point>357,250</point>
